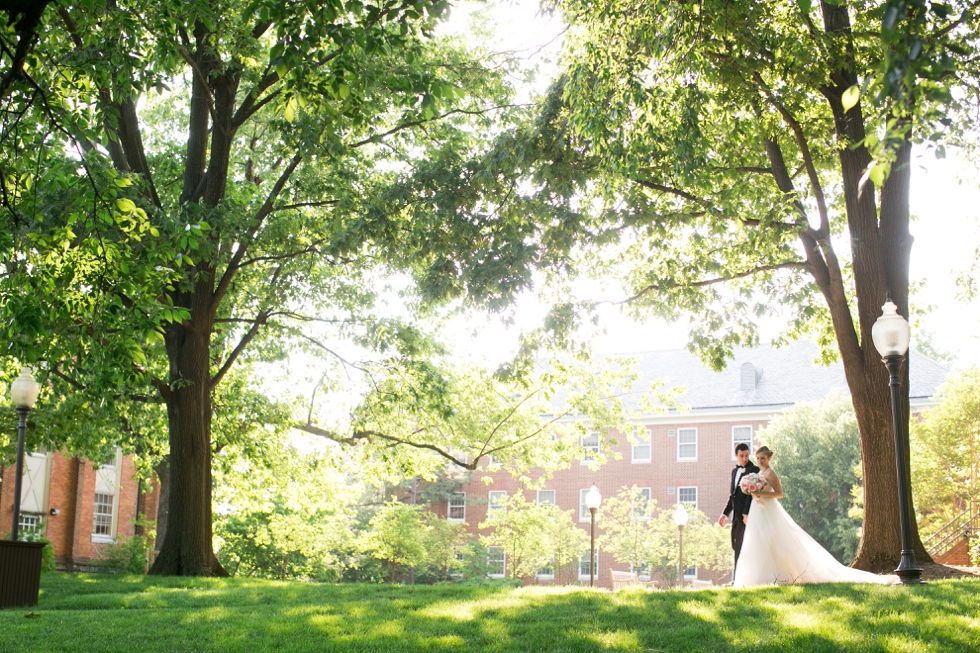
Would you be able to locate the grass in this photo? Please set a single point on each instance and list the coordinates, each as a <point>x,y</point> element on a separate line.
<point>92,613</point>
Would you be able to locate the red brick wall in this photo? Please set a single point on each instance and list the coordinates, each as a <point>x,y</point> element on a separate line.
<point>72,492</point>
<point>710,473</point>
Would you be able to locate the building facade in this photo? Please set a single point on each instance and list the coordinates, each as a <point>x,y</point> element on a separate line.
<point>79,506</point>
<point>686,454</point>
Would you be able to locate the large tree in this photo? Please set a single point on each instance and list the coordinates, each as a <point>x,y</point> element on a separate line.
<point>188,182</point>
<point>715,156</point>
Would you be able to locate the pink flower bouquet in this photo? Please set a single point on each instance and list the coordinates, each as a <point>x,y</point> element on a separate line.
<point>752,483</point>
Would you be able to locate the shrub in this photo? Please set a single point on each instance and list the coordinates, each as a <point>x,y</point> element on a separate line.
<point>129,556</point>
<point>47,553</point>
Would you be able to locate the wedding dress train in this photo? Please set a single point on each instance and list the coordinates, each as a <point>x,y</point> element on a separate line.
<point>776,550</point>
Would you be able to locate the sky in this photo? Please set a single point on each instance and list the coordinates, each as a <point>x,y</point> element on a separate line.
<point>945,203</point>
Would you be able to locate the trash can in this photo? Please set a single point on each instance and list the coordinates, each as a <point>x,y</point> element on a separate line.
<point>20,573</point>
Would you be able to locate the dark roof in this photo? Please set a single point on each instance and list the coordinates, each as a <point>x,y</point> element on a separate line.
<point>783,377</point>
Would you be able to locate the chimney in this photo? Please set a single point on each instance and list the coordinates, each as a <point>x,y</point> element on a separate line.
<point>750,376</point>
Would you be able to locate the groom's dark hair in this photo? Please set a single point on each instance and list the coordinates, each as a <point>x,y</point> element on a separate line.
<point>741,446</point>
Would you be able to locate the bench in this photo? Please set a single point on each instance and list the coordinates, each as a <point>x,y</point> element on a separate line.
<point>700,583</point>
<point>621,579</point>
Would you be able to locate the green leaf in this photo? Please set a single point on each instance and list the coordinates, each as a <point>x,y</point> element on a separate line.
<point>289,113</point>
<point>850,97</point>
<point>878,173</point>
<point>126,206</point>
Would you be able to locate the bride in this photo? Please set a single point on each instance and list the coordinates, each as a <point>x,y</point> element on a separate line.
<point>776,550</point>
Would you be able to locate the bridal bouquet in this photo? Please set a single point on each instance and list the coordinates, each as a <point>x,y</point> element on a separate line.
<point>752,483</point>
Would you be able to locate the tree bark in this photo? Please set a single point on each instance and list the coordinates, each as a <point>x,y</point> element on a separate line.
<point>187,544</point>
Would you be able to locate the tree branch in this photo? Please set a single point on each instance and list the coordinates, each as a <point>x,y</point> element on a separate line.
<point>788,265</point>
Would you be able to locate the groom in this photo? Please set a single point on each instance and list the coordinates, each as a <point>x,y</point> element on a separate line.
<point>739,502</point>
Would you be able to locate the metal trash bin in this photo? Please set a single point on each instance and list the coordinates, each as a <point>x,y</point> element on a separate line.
<point>20,573</point>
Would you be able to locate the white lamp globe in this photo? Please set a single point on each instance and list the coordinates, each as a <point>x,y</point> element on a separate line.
<point>593,498</point>
<point>24,389</point>
<point>680,515</point>
<point>890,332</point>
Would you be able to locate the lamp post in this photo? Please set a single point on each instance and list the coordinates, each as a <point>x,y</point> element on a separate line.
<point>592,501</point>
<point>680,518</point>
<point>890,334</point>
<point>23,392</point>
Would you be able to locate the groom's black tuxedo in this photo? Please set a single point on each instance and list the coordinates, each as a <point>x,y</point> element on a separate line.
<point>738,505</point>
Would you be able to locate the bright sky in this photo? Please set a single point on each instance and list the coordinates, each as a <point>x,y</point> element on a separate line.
<point>945,204</point>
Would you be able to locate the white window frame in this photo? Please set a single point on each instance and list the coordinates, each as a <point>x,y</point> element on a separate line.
<point>491,550</point>
<point>544,575</point>
<point>107,536</point>
<point>109,473</point>
<point>554,498</point>
<point>460,557</point>
<point>586,448</point>
<point>681,433</point>
<point>29,522</point>
<point>492,463</point>
<point>735,440</point>
<point>691,573</point>
<point>494,508</point>
<point>691,504</point>
<point>584,560</point>
<point>642,434</point>
<point>648,492</point>
<point>450,506</point>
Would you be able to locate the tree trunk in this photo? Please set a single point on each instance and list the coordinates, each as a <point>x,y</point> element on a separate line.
<point>880,252</point>
<point>163,503</point>
<point>187,545</point>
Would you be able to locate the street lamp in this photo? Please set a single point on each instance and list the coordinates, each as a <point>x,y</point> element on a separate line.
<point>23,392</point>
<point>680,518</point>
<point>592,501</point>
<point>891,337</point>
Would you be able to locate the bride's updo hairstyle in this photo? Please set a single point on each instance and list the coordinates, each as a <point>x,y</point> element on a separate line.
<point>766,451</point>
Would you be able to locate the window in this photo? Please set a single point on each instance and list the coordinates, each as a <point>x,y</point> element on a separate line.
<point>741,434</point>
<point>546,497</point>
<point>688,496</point>
<point>583,566</point>
<point>641,502</point>
<point>102,517</point>
<point>642,572</point>
<point>457,506</point>
<point>496,562</point>
<point>690,573</point>
<point>497,507</point>
<point>583,510</point>
<point>687,444</point>
<point>547,572</point>
<point>492,463</point>
<point>641,450</point>
<point>28,523</point>
<point>590,446</point>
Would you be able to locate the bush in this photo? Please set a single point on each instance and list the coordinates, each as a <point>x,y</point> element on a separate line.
<point>47,553</point>
<point>129,556</point>
<point>975,552</point>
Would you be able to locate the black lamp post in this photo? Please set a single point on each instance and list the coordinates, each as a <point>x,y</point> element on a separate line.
<point>592,501</point>
<point>891,337</point>
<point>23,393</point>
<point>680,518</point>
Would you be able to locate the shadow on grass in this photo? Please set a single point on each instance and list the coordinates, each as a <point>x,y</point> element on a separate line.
<point>147,615</point>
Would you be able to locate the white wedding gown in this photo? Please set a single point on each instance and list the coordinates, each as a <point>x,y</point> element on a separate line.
<point>775,550</point>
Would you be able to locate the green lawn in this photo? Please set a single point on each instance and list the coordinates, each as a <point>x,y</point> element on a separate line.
<point>91,613</point>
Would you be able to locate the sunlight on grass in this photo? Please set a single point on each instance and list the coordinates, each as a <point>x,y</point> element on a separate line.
<point>620,640</point>
<point>162,615</point>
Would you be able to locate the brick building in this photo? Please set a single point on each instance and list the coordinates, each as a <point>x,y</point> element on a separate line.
<point>79,508</point>
<point>687,454</point>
